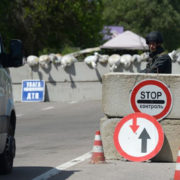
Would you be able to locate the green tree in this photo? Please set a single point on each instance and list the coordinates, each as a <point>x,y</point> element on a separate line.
<point>143,16</point>
<point>6,28</point>
<point>47,24</point>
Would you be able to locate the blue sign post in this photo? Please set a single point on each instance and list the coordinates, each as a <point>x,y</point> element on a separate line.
<point>33,90</point>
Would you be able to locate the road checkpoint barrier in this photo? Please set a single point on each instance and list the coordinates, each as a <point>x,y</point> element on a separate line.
<point>76,83</point>
<point>177,170</point>
<point>127,93</point>
<point>98,153</point>
<point>138,137</point>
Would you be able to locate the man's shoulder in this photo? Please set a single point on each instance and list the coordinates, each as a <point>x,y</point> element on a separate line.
<point>164,56</point>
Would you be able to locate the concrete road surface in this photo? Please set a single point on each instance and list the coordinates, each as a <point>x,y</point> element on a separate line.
<point>55,139</point>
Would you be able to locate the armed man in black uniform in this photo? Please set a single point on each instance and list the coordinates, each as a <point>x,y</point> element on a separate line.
<point>159,61</point>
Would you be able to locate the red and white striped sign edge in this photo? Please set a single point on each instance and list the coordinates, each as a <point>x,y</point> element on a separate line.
<point>156,149</point>
<point>158,83</point>
<point>177,170</point>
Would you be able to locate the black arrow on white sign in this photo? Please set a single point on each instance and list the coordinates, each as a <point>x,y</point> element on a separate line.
<point>144,136</point>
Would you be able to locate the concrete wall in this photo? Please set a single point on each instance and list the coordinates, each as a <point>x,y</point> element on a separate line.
<point>116,91</point>
<point>76,83</point>
<point>118,86</point>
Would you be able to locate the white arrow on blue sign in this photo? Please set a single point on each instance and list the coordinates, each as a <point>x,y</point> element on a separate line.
<point>33,90</point>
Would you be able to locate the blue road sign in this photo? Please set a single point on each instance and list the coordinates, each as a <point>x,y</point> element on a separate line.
<point>33,90</point>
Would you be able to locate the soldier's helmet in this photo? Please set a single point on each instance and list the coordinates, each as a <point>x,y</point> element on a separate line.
<point>154,36</point>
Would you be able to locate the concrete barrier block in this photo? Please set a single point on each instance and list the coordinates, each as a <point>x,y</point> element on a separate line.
<point>168,153</point>
<point>107,127</point>
<point>16,92</point>
<point>20,73</point>
<point>82,73</point>
<point>117,87</point>
<point>76,72</point>
<point>73,91</point>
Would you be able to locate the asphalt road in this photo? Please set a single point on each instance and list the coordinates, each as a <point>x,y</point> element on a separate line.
<point>51,134</point>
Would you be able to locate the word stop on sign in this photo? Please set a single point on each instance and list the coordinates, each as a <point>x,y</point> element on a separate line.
<point>152,97</point>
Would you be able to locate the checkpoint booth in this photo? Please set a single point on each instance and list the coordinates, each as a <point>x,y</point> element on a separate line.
<point>142,116</point>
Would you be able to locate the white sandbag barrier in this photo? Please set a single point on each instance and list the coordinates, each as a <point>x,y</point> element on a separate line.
<point>157,95</point>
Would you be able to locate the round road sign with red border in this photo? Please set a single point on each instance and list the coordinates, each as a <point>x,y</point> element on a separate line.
<point>138,137</point>
<point>152,97</point>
